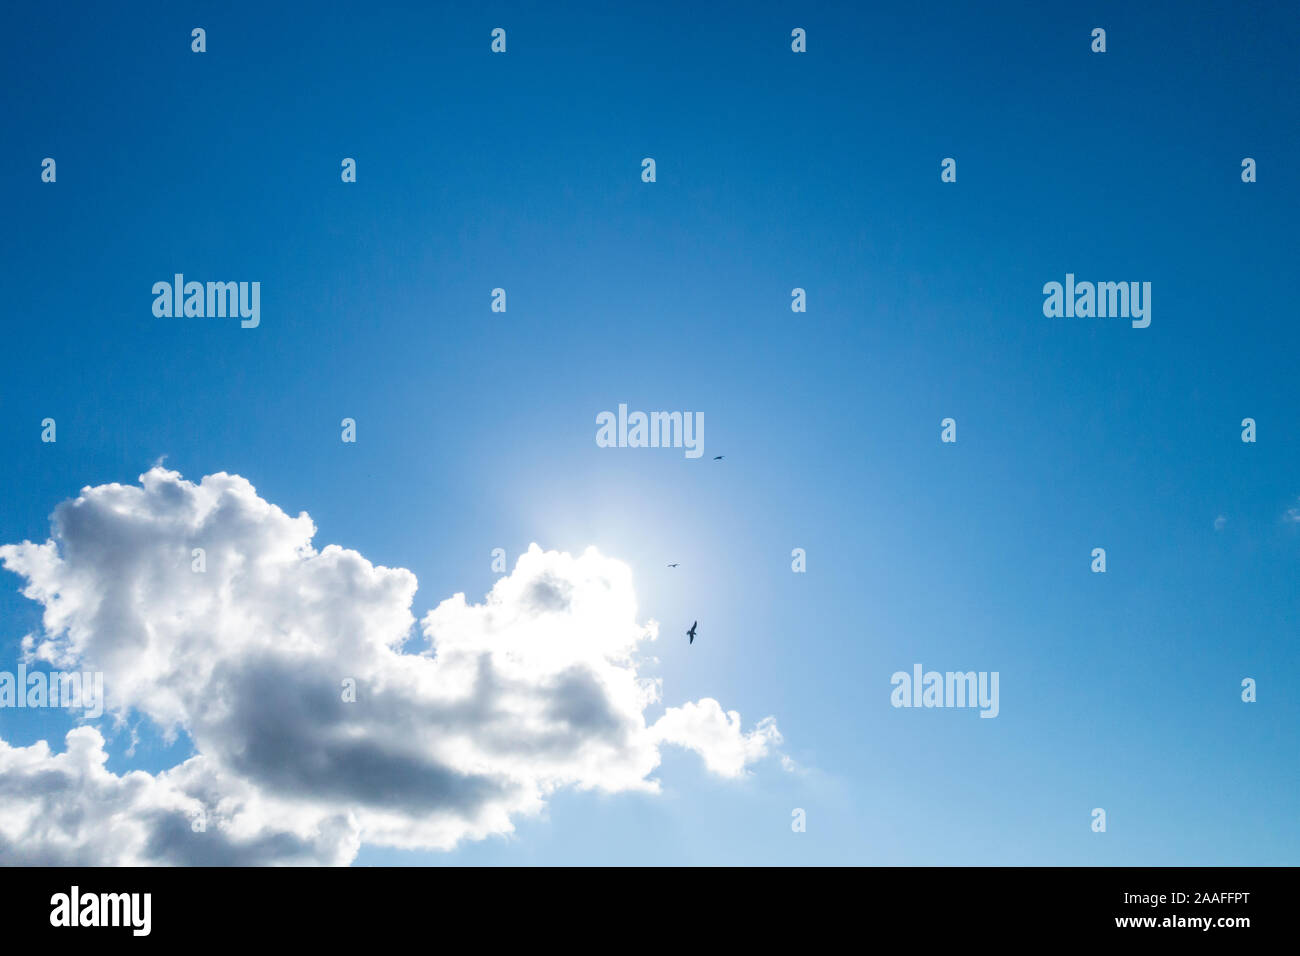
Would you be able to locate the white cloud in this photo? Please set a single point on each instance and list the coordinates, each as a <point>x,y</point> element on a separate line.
<point>66,809</point>
<point>534,689</point>
<point>716,735</point>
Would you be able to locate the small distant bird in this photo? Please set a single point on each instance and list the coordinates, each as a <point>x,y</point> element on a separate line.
<point>718,457</point>
<point>691,632</point>
<point>672,565</point>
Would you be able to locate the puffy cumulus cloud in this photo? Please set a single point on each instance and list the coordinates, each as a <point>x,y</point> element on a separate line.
<point>66,809</point>
<point>717,736</point>
<point>502,703</point>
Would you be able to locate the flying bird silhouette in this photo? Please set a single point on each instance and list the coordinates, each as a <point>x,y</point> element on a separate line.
<point>691,632</point>
<point>718,457</point>
<point>672,565</point>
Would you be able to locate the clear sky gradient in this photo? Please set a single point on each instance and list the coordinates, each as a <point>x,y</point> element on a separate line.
<point>774,170</point>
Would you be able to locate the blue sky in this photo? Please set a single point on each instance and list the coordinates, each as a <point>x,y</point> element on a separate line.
<point>775,170</point>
